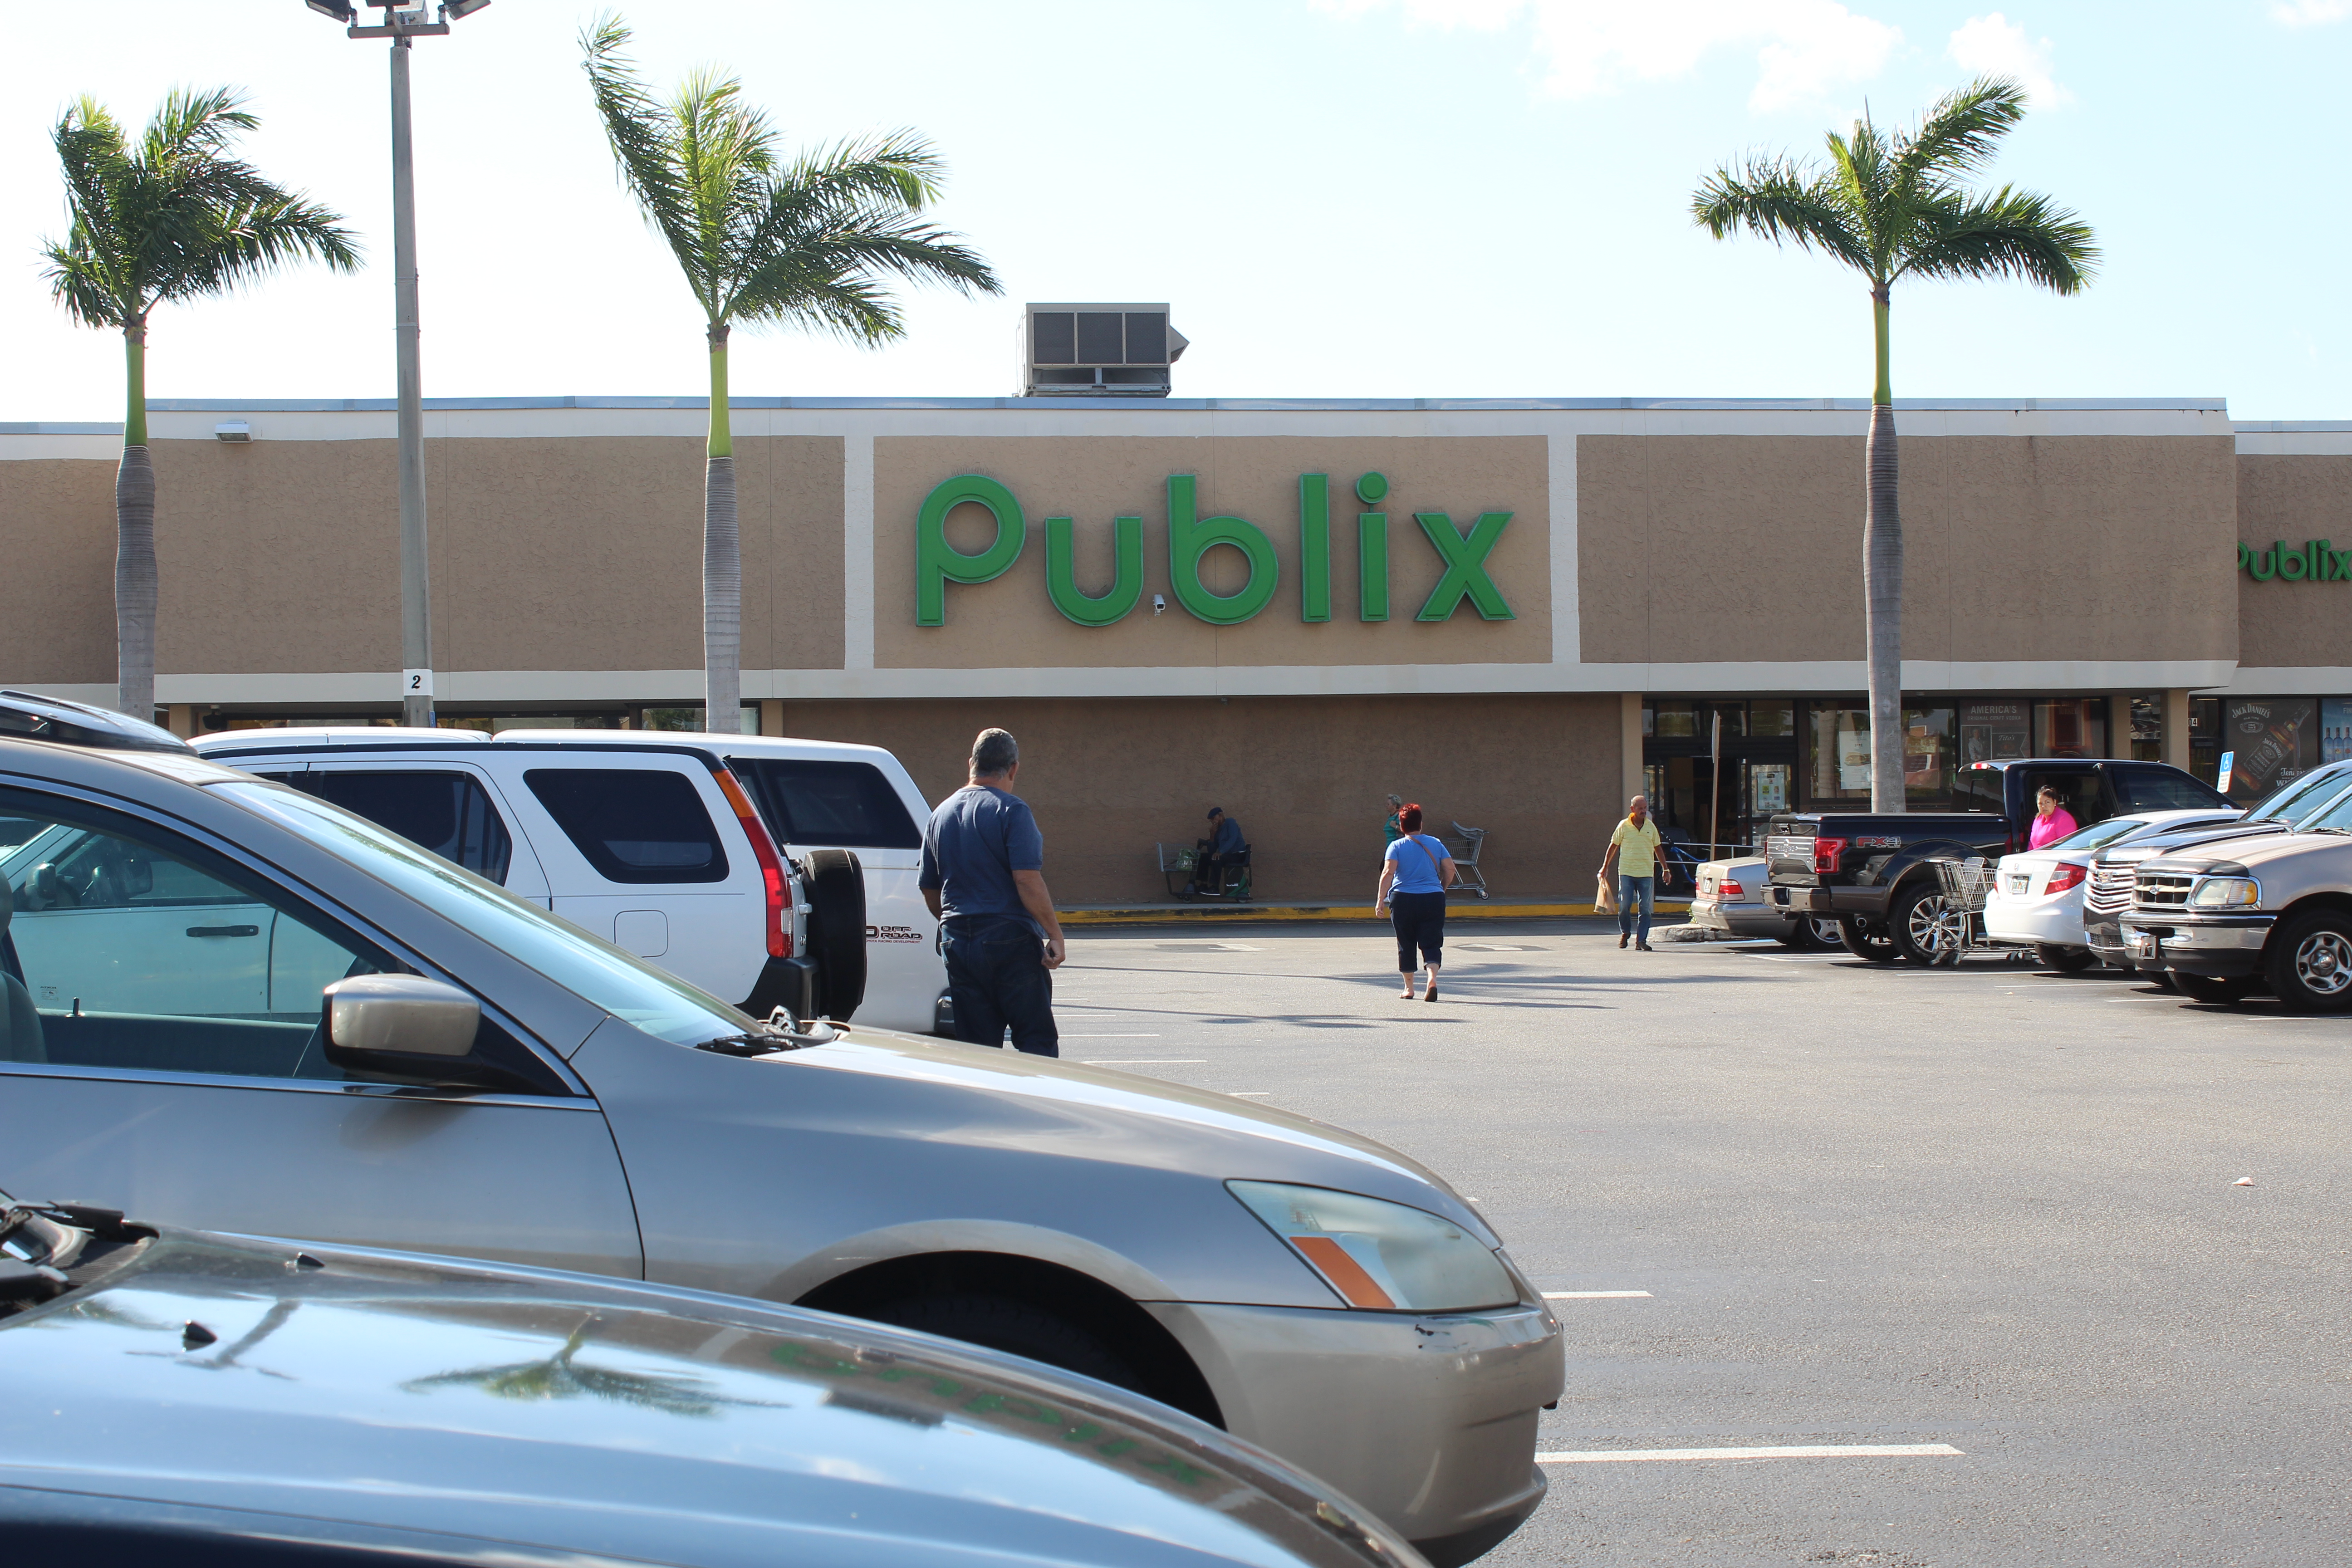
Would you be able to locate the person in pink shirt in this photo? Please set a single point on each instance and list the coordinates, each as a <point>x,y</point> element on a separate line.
<point>2052,821</point>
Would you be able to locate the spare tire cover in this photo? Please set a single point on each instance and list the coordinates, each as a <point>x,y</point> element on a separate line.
<point>836,928</point>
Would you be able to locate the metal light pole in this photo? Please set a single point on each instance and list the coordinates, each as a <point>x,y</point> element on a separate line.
<point>400,24</point>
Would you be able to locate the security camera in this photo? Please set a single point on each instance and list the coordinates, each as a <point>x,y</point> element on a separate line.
<point>1158,603</point>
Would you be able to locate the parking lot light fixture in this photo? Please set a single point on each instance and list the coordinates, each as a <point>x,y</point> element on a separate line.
<point>401,24</point>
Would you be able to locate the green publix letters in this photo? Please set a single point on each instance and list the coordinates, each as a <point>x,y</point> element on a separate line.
<point>2317,562</point>
<point>1191,536</point>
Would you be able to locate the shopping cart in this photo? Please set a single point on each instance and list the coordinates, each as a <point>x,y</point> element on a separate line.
<point>1955,924</point>
<point>1180,867</point>
<point>1470,879</point>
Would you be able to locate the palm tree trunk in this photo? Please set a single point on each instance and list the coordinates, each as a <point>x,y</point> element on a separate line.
<point>135,540</point>
<point>1882,577</point>
<point>722,561</point>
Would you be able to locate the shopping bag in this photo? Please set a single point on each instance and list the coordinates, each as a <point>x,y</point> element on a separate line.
<point>1604,899</point>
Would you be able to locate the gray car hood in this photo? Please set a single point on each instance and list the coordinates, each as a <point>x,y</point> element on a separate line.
<point>615,1420</point>
<point>1151,1122</point>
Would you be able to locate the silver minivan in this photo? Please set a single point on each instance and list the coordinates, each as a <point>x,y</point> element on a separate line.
<point>653,839</point>
<point>233,1004</point>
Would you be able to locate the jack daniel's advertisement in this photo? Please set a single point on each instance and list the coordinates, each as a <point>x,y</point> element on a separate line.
<point>2275,741</point>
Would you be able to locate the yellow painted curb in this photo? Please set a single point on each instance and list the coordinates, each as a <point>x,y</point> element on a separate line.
<point>1156,914</point>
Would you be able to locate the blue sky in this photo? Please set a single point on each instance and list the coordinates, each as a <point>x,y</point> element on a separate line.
<point>1356,198</point>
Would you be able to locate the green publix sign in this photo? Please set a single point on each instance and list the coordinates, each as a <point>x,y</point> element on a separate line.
<point>1191,537</point>
<point>2317,562</point>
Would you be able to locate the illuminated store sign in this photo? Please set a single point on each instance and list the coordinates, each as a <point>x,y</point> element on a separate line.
<point>1191,537</point>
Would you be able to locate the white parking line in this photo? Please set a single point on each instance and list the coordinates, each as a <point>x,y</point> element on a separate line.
<point>1252,1093</point>
<point>1593,1295</point>
<point>1110,1036</point>
<point>1813,1451</point>
<point>1145,1062</point>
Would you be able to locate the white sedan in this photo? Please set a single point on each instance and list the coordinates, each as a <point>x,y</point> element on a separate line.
<point>2036,897</point>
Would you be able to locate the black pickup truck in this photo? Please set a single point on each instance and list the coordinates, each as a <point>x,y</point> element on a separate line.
<point>1875,872</point>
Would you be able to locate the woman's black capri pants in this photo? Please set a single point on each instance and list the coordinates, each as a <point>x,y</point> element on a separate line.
<point>1420,921</point>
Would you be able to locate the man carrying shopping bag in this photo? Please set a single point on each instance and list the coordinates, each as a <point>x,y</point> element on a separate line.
<point>1634,858</point>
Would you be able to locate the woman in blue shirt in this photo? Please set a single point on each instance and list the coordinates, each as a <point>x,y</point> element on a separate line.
<point>1413,879</point>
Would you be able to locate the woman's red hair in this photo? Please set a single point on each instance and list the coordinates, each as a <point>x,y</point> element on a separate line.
<point>1409,817</point>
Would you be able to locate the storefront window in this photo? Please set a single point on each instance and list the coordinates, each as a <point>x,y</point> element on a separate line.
<point>1772,718</point>
<point>1674,720</point>
<point>2271,741</point>
<point>1928,757</point>
<point>2335,729</point>
<point>2072,727</point>
<point>2148,728</point>
<point>1994,731</point>
<point>2205,738</point>
<point>1838,764</point>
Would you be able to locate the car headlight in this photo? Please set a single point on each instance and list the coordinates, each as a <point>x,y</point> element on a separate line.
<point>1381,1255</point>
<point>2226,891</point>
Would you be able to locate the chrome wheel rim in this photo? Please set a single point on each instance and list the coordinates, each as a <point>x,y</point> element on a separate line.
<point>1932,926</point>
<point>2323,964</point>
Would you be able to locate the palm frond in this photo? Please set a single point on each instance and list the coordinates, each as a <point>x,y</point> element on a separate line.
<point>177,216</point>
<point>643,135</point>
<point>194,124</point>
<point>1960,134</point>
<point>1775,199</point>
<point>895,165</point>
<point>2007,234</point>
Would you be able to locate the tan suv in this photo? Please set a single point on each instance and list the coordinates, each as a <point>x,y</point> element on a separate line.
<point>2225,919</point>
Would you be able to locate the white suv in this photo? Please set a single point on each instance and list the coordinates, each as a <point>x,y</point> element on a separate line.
<point>769,872</point>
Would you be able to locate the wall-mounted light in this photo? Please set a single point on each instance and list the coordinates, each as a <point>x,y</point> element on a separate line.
<point>233,430</point>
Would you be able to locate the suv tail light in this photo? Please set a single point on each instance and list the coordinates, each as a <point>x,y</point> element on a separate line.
<point>2063,876</point>
<point>1825,854</point>
<point>771,865</point>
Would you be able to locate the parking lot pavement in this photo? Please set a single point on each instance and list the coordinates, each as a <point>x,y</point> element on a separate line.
<point>1991,1209</point>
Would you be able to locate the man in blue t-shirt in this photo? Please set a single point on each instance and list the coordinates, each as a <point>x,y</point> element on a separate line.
<point>983,875</point>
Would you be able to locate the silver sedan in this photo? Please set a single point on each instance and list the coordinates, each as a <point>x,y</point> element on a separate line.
<point>233,1005</point>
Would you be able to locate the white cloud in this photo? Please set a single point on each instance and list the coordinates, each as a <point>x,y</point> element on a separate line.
<point>2310,13</point>
<point>1802,49</point>
<point>1994,46</point>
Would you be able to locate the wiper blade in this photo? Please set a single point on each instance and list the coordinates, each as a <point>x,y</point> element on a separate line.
<point>769,1041</point>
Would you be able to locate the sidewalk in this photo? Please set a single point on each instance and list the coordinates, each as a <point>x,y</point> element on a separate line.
<point>1186,911</point>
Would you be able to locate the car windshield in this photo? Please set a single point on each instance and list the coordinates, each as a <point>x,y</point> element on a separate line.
<point>2336,817</point>
<point>620,983</point>
<point>2303,797</point>
<point>2098,834</point>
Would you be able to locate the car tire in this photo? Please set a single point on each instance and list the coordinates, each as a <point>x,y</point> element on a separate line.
<point>836,928</point>
<point>1921,925</point>
<point>2065,959</point>
<point>1016,1327</point>
<point>2310,962</point>
<point>2213,989</point>
<point>1863,944</point>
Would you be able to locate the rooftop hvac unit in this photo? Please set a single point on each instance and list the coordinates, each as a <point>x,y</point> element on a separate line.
<point>1097,350</point>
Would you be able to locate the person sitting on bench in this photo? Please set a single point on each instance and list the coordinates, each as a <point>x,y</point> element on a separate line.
<point>1216,854</point>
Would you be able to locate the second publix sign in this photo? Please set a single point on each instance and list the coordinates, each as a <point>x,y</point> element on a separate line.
<point>1191,536</point>
<point>2317,562</point>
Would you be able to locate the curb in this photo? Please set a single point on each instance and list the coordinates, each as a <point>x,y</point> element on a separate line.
<point>1164,914</point>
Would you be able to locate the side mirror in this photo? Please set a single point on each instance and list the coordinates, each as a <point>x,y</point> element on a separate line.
<point>400,1025</point>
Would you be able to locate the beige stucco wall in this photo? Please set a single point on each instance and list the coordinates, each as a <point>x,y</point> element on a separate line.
<point>1699,548</point>
<point>1308,778</point>
<point>284,556</point>
<point>1011,621</point>
<point>56,571</point>
<point>2293,500</point>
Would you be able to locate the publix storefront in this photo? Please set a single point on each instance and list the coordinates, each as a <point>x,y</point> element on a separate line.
<point>1517,612</point>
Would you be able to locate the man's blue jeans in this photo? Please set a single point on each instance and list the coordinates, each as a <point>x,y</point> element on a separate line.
<point>1630,890</point>
<point>997,979</point>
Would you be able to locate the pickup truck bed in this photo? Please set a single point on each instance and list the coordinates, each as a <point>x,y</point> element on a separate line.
<point>1871,870</point>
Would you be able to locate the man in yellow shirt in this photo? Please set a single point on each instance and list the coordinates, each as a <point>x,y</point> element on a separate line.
<point>1633,858</point>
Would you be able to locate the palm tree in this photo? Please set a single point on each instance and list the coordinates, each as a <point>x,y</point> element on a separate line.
<point>1896,205</point>
<point>808,241</point>
<point>174,217</point>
